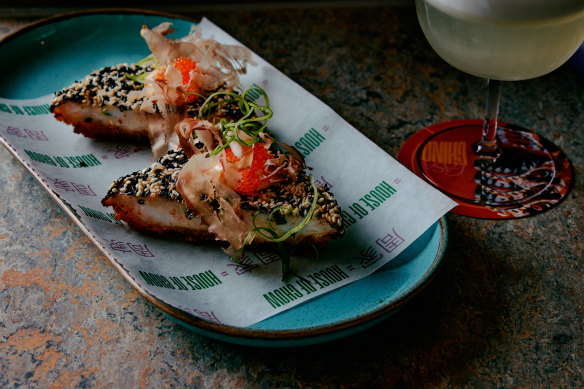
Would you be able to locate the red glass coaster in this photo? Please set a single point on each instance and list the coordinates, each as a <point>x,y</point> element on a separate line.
<point>530,176</point>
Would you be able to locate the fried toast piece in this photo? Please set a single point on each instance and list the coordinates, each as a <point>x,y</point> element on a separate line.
<point>106,104</point>
<point>148,201</point>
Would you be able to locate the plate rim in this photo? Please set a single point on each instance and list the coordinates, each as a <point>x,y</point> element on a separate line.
<point>63,16</point>
<point>225,331</point>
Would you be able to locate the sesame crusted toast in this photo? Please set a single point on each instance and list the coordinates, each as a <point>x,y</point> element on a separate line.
<point>107,104</point>
<point>148,201</point>
<point>144,101</point>
<point>103,106</point>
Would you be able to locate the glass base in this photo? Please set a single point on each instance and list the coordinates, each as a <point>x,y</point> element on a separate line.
<point>527,176</point>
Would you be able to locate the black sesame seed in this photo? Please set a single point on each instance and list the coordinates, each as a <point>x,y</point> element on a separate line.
<point>215,205</point>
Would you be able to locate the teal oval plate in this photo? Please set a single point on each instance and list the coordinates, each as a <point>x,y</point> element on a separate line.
<point>52,53</point>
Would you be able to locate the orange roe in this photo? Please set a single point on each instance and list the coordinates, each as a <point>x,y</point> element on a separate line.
<point>160,73</point>
<point>251,179</point>
<point>185,66</point>
<point>230,156</point>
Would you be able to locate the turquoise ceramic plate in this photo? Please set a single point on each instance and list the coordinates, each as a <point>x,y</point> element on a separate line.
<point>53,53</point>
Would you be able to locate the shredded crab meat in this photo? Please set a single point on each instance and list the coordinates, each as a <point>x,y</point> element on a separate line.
<point>203,178</point>
<point>217,65</point>
<point>234,171</point>
<point>238,160</point>
<point>203,130</point>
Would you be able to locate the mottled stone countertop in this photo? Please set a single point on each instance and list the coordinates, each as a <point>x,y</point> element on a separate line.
<point>505,310</point>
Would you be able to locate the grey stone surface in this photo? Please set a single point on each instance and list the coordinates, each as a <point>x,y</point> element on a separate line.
<point>505,310</point>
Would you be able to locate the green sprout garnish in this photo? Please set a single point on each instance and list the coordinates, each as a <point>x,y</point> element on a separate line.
<point>249,124</point>
<point>148,60</point>
<point>271,234</point>
<point>141,78</point>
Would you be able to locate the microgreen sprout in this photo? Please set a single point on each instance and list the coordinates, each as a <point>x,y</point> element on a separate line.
<point>249,124</point>
<point>270,231</point>
<point>148,61</point>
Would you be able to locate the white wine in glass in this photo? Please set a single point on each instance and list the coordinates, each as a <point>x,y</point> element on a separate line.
<point>493,169</point>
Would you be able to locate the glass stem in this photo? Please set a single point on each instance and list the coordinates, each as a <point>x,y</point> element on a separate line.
<point>488,146</point>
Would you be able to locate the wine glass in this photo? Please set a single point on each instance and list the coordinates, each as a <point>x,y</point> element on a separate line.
<point>491,168</point>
